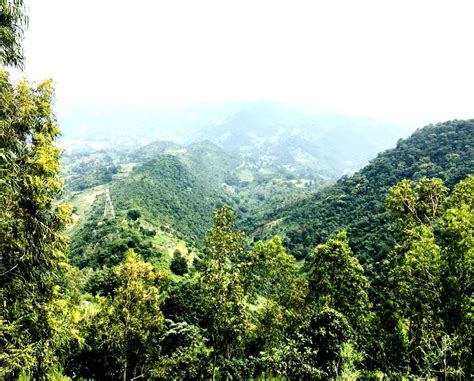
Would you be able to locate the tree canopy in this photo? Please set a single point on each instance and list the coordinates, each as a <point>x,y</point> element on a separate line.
<point>13,22</point>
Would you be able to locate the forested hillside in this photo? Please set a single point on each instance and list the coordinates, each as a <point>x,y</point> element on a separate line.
<point>165,190</point>
<point>356,203</point>
<point>327,144</point>
<point>160,205</point>
<point>130,264</point>
<point>173,187</point>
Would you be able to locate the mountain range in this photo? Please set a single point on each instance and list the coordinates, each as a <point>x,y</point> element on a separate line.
<point>176,187</point>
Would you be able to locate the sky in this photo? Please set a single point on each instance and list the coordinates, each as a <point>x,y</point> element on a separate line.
<point>408,62</point>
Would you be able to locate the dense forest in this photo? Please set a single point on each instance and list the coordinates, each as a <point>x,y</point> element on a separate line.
<point>192,263</point>
<point>356,203</point>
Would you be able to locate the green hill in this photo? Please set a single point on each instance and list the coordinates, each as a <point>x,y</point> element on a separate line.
<point>158,207</point>
<point>166,192</point>
<point>209,162</point>
<point>356,203</point>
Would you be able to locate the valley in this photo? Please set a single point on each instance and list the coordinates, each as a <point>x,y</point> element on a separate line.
<point>236,191</point>
<point>164,195</point>
<point>253,178</point>
<point>243,255</point>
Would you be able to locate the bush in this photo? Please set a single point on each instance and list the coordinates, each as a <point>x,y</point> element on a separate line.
<point>133,214</point>
<point>179,265</point>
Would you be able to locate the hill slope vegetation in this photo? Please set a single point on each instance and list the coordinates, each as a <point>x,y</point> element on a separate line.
<point>356,203</point>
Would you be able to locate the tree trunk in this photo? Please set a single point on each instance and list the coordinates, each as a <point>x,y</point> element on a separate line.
<point>214,362</point>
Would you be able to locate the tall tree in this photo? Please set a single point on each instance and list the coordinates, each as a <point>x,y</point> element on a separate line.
<point>222,277</point>
<point>336,280</point>
<point>415,263</point>
<point>431,273</point>
<point>122,329</point>
<point>32,243</point>
<point>456,239</point>
<point>134,313</point>
<point>280,290</point>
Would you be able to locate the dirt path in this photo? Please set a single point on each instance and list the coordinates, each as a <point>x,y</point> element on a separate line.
<point>109,211</point>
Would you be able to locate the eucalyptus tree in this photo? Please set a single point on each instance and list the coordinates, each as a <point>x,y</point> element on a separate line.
<point>35,319</point>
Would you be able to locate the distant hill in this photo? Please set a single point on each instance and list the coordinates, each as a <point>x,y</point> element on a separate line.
<point>155,148</point>
<point>204,159</point>
<point>250,183</point>
<point>326,144</point>
<point>356,203</point>
<point>265,132</point>
<point>176,187</point>
<point>113,127</point>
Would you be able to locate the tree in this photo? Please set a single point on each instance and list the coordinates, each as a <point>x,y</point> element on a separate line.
<point>133,214</point>
<point>416,205</point>
<point>314,350</point>
<point>179,264</point>
<point>134,313</point>
<point>415,267</point>
<point>183,354</point>
<point>222,278</point>
<point>336,280</point>
<point>279,289</point>
<point>417,276</point>
<point>431,272</point>
<point>456,239</point>
<point>13,21</point>
<point>34,320</point>
<point>124,329</point>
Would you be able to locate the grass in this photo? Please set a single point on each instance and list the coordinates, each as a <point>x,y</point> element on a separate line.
<point>82,201</point>
<point>246,175</point>
<point>125,170</point>
<point>167,243</point>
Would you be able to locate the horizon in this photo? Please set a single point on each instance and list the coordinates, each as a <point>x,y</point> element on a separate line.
<point>404,64</point>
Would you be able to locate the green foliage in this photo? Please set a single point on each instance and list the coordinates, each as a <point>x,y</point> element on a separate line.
<point>13,21</point>
<point>53,375</point>
<point>244,310</point>
<point>89,173</point>
<point>126,325</point>
<point>336,280</point>
<point>209,163</point>
<point>273,276</point>
<point>357,203</point>
<point>179,264</point>
<point>164,189</point>
<point>322,337</point>
<point>431,273</point>
<point>36,320</point>
<point>248,313</point>
<point>184,354</point>
<point>104,242</point>
<point>222,277</point>
<point>456,239</point>
<point>314,350</point>
<point>133,315</point>
<point>416,206</point>
<point>133,214</point>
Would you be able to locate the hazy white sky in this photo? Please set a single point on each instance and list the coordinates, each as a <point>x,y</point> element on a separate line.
<point>404,61</point>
